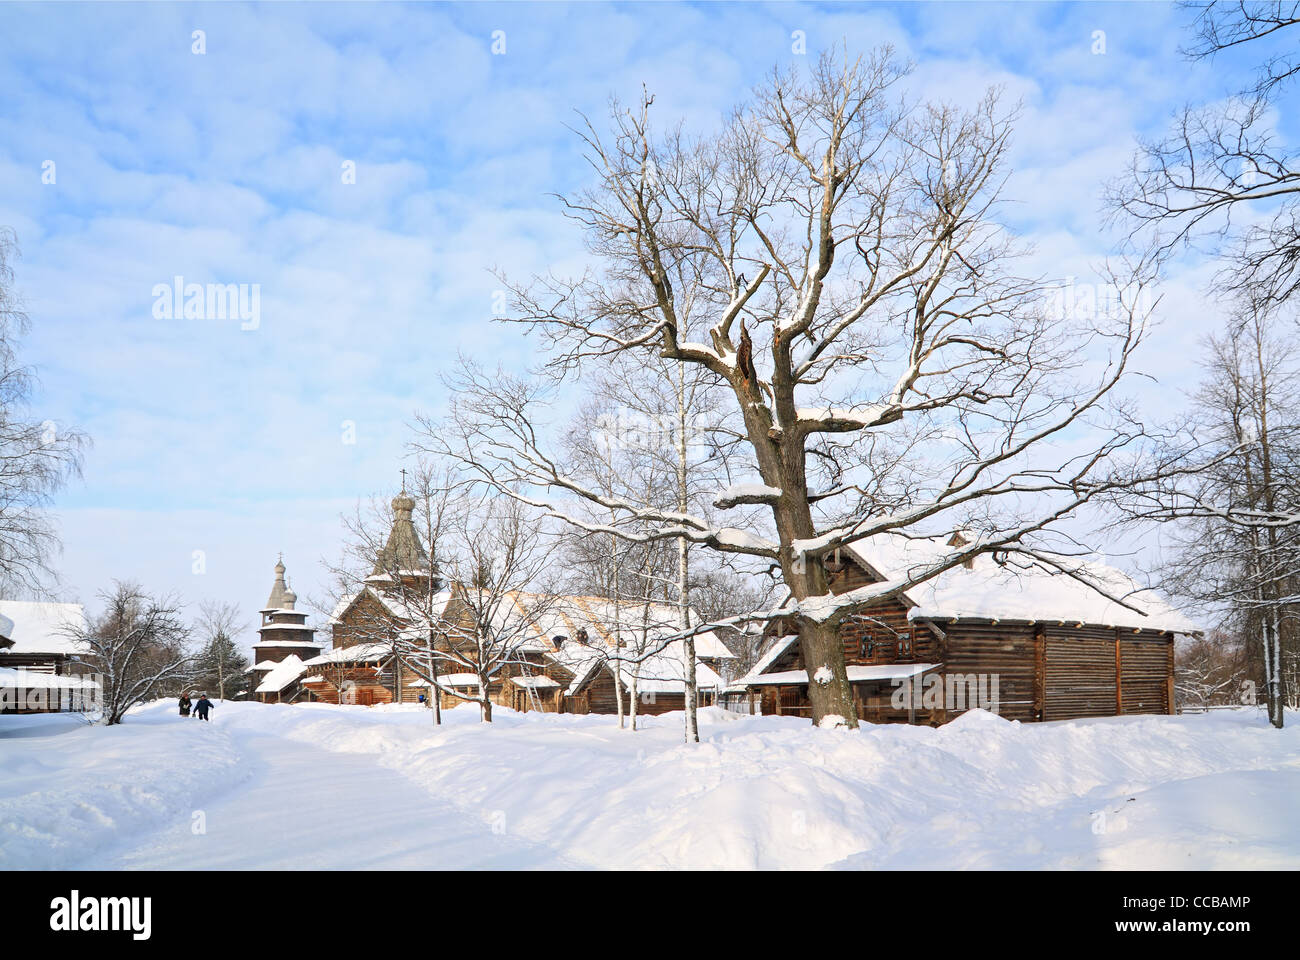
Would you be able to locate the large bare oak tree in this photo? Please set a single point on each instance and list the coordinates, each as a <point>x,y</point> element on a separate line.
<point>831,257</point>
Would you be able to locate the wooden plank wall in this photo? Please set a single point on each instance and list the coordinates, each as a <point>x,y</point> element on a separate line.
<point>996,648</point>
<point>1080,679</point>
<point>1143,675</point>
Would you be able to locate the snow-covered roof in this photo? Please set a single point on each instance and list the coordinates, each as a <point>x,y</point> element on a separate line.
<point>452,680</point>
<point>583,674</point>
<point>300,627</point>
<point>263,665</point>
<point>285,672</point>
<point>31,680</point>
<point>360,652</point>
<point>988,590</point>
<point>40,627</point>
<point>780,646</point>
<point>544,617</point>
<point>536,683</point>
<point>395,606</point>
<point>662,671</point>
<point>857,674</point>
<point>286,643</point>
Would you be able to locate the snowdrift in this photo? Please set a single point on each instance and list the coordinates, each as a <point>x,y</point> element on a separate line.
<point>1206,791</point>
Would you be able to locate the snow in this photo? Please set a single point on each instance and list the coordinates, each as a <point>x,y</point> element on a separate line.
<point>991,591</point>
<point>40,627</point>
<point>863,417</point>
<point>282,674</point>
<point>752,493</point>
<point>536,683</point>
<point>866,674</point>
<point>31,680</point>
<point>778,647</point>
<point>381,787</point>
<point>742,540</point>
<point>451,680</point>
<point>357,653</point>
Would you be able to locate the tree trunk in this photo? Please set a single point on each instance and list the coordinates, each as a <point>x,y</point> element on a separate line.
<point>829,691</point>
<point>683,567</point>
<point>1276,699</point>
<point>434,691</point>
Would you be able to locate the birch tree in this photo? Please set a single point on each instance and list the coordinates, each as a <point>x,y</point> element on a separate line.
<point>647,434</point>
<point>1226,479</point>
<point>831,257</point>
<point>220,665</point>
<point>37,457</point>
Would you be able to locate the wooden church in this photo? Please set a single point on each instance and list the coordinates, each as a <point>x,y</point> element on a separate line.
<point>1027,642</point>
<point>285,643</point>
<point>567,658</point>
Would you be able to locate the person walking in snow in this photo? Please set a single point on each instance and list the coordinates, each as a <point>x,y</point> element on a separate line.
<point>203,706</point>
<point>185,704</point>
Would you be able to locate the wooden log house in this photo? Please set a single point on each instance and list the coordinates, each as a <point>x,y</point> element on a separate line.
<point>560,666</point>
<point>1042,644</point>
<point>39,672</point>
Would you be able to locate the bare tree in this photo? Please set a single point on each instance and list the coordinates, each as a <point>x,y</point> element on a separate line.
<point>1221,175</point>
<point>1226,479</point>
<point>832,260</point>
<point>646,433</point>
<point>470,612</point>
<point>1210,671</point>
<point>498,559</point>
<point>36,457</point>
<point>220,665</point>
<point>137,646</point>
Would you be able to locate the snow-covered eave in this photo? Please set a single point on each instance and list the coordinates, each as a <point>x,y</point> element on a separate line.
<point>537,683</point>
<point>776,650</point>
<point>582,677</point>
<point>30,680</point>
<point>870,673</point>
<point>1155,626</point>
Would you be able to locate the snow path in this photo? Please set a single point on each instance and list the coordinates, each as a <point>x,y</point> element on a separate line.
<point>318,786</point>
<point>305,807</point>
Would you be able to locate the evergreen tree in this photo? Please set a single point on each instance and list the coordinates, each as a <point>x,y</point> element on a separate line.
<point>221,668</point>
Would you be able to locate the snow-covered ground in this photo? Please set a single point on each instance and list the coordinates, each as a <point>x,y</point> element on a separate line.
<point>329,786</point>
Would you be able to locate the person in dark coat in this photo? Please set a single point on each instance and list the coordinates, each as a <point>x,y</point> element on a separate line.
<point>203,706</point>
<point>185,704</point>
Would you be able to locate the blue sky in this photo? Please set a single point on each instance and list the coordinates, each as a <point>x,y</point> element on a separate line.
<point>226,167</point>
